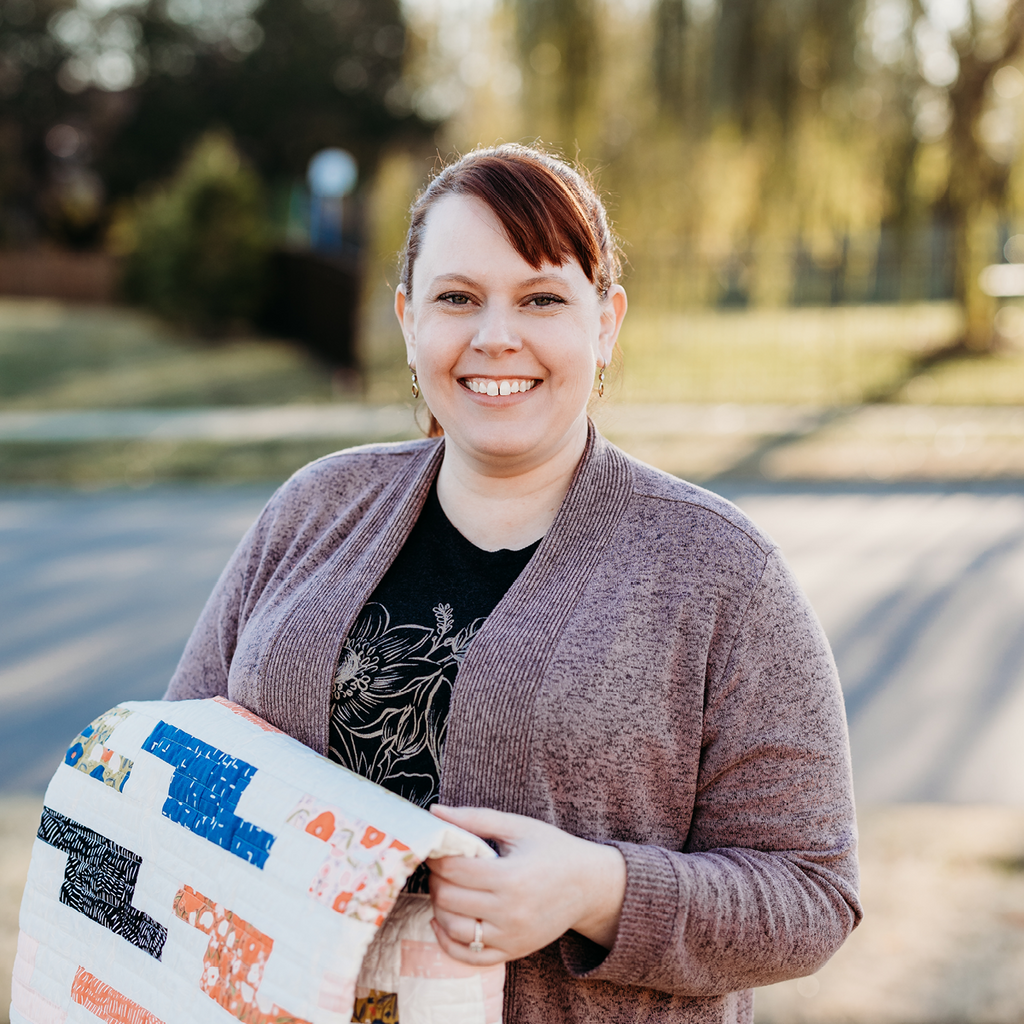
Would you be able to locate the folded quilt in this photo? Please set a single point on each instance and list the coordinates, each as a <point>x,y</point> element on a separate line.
<point>194,864</point>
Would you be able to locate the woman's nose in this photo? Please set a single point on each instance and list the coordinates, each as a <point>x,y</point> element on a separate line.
<point>496,333</point>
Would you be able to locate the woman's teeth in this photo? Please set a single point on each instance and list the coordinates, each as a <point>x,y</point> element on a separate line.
<point>498,387</point>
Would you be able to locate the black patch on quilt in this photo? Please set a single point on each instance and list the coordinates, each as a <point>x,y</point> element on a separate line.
<point>99,881</point>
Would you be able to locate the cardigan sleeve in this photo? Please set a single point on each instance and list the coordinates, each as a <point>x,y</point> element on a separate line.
<point>765,885</point>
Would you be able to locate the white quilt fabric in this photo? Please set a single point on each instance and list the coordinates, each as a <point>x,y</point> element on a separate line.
<point>196,865</point>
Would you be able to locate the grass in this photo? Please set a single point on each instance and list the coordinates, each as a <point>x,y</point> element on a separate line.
<point>54,356</point>
<point>969,380</point>
<point>139,463</point>
<point>810,356</point>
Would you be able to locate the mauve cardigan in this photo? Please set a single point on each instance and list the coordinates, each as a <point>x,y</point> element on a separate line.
<point>654,679</point>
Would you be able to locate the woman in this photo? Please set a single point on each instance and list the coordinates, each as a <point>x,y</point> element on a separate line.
<point>646,720</point>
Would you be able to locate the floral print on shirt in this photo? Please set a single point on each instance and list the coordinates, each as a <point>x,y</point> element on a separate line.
<point>390,699</point>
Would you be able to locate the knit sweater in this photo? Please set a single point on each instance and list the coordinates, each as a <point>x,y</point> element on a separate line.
<point>654,679</point>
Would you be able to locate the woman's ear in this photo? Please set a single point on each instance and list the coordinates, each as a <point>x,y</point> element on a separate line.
<point>403,310</point>
<point>612,314</point>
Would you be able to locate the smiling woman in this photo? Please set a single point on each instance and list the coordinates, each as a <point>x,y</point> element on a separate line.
<point>606,671</point>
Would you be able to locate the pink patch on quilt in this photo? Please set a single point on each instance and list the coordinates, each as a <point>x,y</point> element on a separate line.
<point>364,869</point>
<point>29,1003</point>
<point>237,709</point>
<point>429,960</point>
<point>493,981</point>
<point>336,993</point>
<point>107,1003</point>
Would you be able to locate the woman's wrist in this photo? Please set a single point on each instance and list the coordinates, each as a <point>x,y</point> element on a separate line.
<point>604,883</point>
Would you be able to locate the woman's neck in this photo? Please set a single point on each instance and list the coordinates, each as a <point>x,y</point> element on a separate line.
<point>495,511</point>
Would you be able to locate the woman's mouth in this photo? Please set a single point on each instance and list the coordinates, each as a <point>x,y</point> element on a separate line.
<point>504,386</point>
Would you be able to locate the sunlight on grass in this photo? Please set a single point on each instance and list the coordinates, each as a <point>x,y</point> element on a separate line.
<point>811,356</point>
<point>54,356</point>
<point>983,380</point>
<point>139,463</point>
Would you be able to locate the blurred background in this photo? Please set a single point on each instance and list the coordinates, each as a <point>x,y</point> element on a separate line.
<point>821,206</point>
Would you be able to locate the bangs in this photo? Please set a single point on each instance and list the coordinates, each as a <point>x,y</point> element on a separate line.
<point>543,218</point>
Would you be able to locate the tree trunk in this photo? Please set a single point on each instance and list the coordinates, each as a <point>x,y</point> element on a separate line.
<point>974,231</point>
<point>968,194</point>
<point>977,184</point>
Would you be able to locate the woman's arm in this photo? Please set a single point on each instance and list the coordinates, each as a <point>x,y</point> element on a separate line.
<point>764,885</point>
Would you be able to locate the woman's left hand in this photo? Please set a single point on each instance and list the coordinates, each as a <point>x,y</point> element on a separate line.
<point>544,883</point>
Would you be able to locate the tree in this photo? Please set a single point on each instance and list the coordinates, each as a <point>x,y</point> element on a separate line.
<point>979,159</point>
<point>741,88</point>
<point>137,81</point>
<point>557,41</point>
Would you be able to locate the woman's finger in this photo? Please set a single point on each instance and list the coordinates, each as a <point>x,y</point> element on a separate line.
<point>469,872</point>
<point>484,822</point>
<point>462,929</point>
<point>489,957</point>
<point>456,897</point>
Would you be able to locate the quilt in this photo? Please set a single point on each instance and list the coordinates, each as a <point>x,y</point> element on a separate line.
<point>195,865</point>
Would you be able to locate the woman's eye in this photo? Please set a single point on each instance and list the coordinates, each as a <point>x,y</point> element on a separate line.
<point>545,300</point>
<point>454,298</point>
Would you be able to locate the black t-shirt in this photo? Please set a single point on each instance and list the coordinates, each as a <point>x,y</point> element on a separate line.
<point>392,689</point>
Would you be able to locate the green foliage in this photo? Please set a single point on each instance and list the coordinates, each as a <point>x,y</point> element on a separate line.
<point>557,42</point>
<point>196,248</point>
<point>139,81</point>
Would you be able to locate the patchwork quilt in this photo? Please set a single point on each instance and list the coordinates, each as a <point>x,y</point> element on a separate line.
<point>194,865</point>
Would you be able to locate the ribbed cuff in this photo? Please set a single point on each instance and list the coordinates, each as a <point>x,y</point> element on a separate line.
<point>649,913</point>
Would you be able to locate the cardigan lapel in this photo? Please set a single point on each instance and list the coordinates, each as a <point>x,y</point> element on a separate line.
<point>490,722</point>
<point>300,665</point>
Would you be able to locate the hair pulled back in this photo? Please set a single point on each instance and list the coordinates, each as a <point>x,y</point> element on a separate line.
<point>550,211</point>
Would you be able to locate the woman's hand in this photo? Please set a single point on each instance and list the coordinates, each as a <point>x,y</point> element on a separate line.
<point>544,883</point>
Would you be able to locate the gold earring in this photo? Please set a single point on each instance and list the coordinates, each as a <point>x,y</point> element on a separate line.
<point>415,386</point>
<point>600,382</point>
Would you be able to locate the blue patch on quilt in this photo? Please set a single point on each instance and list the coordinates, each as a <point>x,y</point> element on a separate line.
<point>205,790</point>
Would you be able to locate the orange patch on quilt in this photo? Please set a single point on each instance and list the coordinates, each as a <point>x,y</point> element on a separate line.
<point>364,869</point>
<point>107,1003</point>
<point>237,709</point>
<point>372,837</point>
<point>235,958</point>
<point>322,826</point>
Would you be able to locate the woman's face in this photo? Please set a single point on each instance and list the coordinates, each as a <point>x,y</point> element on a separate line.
<point>505,353</point>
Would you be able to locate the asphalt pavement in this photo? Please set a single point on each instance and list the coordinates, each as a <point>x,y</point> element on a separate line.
<point>920,589</point>
<point>98,593</point>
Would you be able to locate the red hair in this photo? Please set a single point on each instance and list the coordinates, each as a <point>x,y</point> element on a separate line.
<point>550,212</point>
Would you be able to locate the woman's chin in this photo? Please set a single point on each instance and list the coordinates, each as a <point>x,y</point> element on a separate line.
<point>506,449</point>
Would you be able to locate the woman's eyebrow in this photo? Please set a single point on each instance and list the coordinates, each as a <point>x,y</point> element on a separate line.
<point>455,279</point>
<point>530,282</point>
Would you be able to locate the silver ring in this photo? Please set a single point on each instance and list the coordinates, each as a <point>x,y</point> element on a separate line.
<point>477,945</point>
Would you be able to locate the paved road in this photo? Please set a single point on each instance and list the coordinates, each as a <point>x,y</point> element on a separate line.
<point>921,591</point>
<point>98,594</point>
